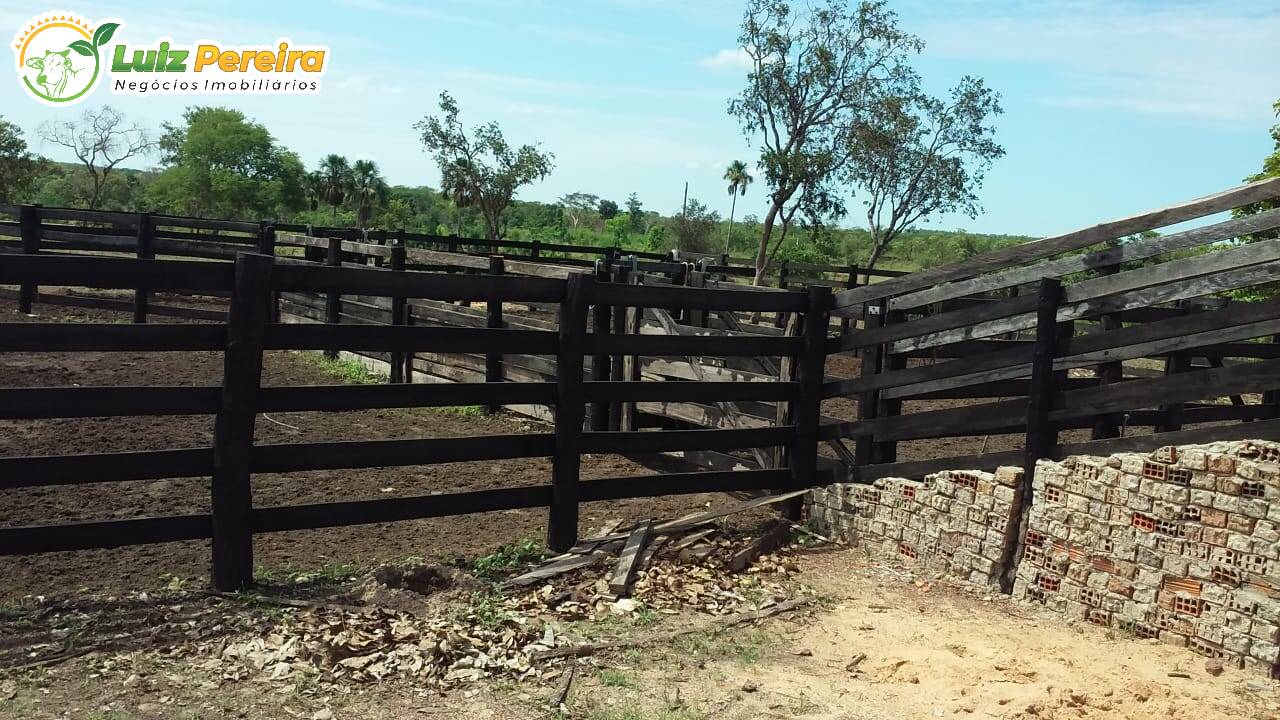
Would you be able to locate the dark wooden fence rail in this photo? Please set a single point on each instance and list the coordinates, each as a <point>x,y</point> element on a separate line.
<point>250,330</point>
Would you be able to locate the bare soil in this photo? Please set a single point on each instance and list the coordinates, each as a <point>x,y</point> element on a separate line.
<point>882,644</point>
<point>137,568</point>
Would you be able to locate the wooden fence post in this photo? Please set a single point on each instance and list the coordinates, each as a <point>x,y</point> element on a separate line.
<point>231,494</point>
<point>493,319</point>
<point>1107,425</point>
<point>399,304</point>
<point>784,270</point>
<point>267,246</point>
<point>145,251</point>
<point>29,226</point>
<point>601,315</point>
<point>332,301</point>
<point>617,363</point>
<point>535,248</point>
<point>846,323</point>
<point>870,358</point>
<point>807,408</point>
<point>1170,416</point>
<point>562,525</point>
<point>887,451</point>
<point>1041,435</point>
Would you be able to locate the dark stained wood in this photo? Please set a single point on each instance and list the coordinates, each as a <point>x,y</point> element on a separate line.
<point>802,455</point>
<point>707,391</point>
<point>1041,435</point>
<point>290,336</point>
<point>493,319</point>
<point>39,471</point>
<point>669,345</point>
<point>562,526</point>
<point>401,369</point>
<point>24,540</point>
<point>233,429</point>
<point>92,337</point>
<point>29,224</point>
<point>640,441</point>
<point>683,484</point>
<point>294,457</point>
<point>70,402</point>
<point>335,398</point>
<point>145,251</point>
<point>103,272</point>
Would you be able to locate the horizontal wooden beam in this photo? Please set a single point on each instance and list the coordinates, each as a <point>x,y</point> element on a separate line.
<point>674,440</point>
<point>294,457</point>
<point>94,337</point>
<point>39,471</point>
<point>668,391</point>
<point>364,512</point>
<point>336,398</point>
<point>26,540</point>
<point>296,336</point>
<point>78,402</point>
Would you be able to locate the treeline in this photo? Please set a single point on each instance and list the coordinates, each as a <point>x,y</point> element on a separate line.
<point>217,163</point>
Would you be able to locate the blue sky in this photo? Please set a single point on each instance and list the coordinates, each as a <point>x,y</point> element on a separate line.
<point>1110,107</point>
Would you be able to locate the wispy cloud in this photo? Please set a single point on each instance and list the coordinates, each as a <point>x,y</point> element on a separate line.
<point>730,58</point>
<point>1210,60</point>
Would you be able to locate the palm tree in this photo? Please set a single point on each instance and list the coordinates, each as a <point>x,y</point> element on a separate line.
<point>367,190</point>
<point>337,180</point>
<point>739,179</point>
<point>456,185</point>
<point>313,188</point>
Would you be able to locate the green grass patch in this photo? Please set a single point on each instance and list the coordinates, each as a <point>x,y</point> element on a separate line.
<point>349,371</point>
<point>466,411</point>
<point>493,566</point>
<point>323,575</point>
<point>615,678</point>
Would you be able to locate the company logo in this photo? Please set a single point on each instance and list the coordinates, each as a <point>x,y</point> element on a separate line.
<point>60,56</point>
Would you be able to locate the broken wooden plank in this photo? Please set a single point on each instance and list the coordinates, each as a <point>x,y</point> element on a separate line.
<point>565,563</point>
<point>775,538</point>
<point>625,572</point>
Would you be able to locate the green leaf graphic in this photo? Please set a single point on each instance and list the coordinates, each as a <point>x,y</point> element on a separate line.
<point>82,47</point>
<point>104,32</point>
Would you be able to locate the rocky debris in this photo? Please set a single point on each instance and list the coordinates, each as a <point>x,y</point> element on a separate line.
<point>379,644</point>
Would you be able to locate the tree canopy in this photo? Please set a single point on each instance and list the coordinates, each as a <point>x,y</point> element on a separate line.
<point>482,161</point>
<point>218,163</point>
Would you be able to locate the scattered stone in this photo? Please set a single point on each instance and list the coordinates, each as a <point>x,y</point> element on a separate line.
<point>1214,666</point>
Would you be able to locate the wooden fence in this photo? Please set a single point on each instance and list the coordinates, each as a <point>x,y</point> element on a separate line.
<point>251,283</point>
<point>1129,340</point>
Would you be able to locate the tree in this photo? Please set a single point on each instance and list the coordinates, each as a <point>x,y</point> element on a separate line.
<point>917,156</point>
<point>578,205</point>
<point>693,228</point>
<point>17,166</point>
<point>336,172</point>
<point>220,164</point>
<point>1270,168</point>
<point>367,190</point>
<point>101,140</point>
<point>313,189</point>
<point>607,209</point>
<point>739,179</point>
<point>492,170</point>
<point>635,213</point>
<point>813,74</point>
<point>456,187</point>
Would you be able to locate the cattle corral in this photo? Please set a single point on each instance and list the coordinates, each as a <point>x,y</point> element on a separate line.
<point>1041,350</point>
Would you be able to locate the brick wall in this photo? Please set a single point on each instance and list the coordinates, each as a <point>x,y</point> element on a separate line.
<point>1181,544</point>
<point>955,521</point>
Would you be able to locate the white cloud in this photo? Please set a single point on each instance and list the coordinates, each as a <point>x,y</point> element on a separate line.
<point>730,58</point>
<point>1214,60</point>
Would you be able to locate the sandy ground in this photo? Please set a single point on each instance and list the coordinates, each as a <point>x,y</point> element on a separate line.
<point>932,650</point>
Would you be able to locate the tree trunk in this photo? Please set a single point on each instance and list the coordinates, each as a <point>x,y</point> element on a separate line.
<point>728,239</point>
<point>877,250</point>
<point>762,253</point>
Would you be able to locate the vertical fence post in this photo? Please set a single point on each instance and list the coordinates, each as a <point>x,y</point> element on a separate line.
<point>1041,434</point>
<point>1170,416</point>
<point>493,371</point>
<point>870,358</point>
<point>332,301</point>
<point>145,251</point>
<point>807,407</point>
<point>1107,425</point>
<point>399,304</point>
<point>267,246</point>
<point>784,270</point>
<point>887,451</point>
<point>231,494</point>
<point>29,226</point>
<point>535,248</point>
<point>601,315</point>
<point>562,525</point>
<point>617,364</point>
<point>846,323</point>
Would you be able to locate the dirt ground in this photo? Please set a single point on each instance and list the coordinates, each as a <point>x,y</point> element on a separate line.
<point>928,649</point>
<point>150,566</point>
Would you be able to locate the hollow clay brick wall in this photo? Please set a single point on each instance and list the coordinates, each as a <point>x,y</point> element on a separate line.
<point>1181,544</point>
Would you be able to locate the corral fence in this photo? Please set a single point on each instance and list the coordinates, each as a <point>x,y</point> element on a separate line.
<point>252,282</point>
<point>1131,339</point>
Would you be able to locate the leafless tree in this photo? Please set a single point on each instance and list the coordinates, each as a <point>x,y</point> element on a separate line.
<point>101,139</point>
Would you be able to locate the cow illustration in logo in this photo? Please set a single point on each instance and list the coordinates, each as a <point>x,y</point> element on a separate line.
<point>58,57</point>
<point>56,70</point>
